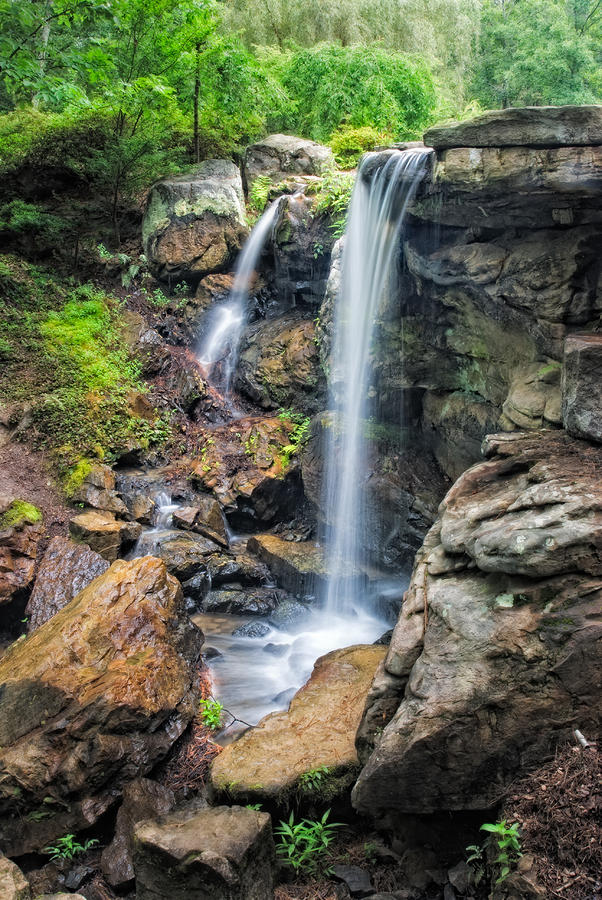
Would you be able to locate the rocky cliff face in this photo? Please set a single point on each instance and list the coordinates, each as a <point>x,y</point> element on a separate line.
<point>503,260</point>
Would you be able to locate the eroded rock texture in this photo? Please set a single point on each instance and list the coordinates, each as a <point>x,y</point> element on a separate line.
<point>496,655</point>
<point>92,699</point>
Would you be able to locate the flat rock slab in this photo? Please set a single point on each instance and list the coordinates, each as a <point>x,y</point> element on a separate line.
<point>298,566</point>
<point>582,386</point>
<point>317,730</point>
<point>219,853</point>
<point>530,126</point>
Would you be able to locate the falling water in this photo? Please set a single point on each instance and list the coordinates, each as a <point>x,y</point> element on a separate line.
<point>219,350</point>
<point>373,235</point>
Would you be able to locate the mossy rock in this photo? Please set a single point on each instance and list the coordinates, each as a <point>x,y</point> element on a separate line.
<point>20,513</point>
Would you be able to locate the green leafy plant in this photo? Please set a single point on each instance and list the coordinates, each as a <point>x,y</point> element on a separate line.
<point>260,189</point>
<point>497,855</point>
<point>211,713</point>
<point>348,144</point>
<point>312,781</point>
<point>254,806</point>
<point>333,199</point>
<point>68,848</point>
<point>303,845</point>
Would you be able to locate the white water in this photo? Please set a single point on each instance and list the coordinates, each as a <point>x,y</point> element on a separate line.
<point>150,538</point>
<point>218,353</point>
<point>372,239</point>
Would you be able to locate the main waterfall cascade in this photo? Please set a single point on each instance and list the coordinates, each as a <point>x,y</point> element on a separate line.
<point>218,353</point>
<point>248,680</point>
<point>373,235</point>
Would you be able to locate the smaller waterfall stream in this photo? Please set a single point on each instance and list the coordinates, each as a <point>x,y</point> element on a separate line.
<point>218,353</point>
<point>373,235</point>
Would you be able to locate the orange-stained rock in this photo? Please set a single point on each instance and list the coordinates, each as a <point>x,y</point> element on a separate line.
<point>317,730</point>
<point>92,699</point>
<point>102,532</point>
<point>19,538</point>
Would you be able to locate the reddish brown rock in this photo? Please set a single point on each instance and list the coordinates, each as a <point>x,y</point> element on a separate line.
<point>66,569</point>
<point>92,699</point>
<point>102,532</point>
<point>20,531</point>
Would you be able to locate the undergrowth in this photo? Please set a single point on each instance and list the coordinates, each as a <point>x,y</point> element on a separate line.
<point>65,359</point>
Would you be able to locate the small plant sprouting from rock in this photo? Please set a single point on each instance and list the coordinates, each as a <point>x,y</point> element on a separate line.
<point>312,781</point>
<point>303,845</point>
<point>68,848</point>
<point>211,713</point>
<point>497,855</point>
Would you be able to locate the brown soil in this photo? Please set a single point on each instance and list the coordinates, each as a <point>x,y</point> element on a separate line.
<point>558,810</point>
<point>26,475</point>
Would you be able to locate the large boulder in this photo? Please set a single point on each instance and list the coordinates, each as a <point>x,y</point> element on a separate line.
<point>281,155</point>
<point>92,699</point>
<point>66,569</point>
<point>21,529</point>
<point>220,853</point>
<point>194,223</point>
<point>13,883</point>
<point>184,554</point>
<point>205,517</point>
<point>496,655</point>
<point>279,365</point>
<point>318,730</point>
<point>302,244</point>
<point>530,126</point>
<point>582,386</point>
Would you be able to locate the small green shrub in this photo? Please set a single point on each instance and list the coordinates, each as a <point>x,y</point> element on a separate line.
<point>303,845</point>
<point>497,855</point>
<point>211,713</point>
<point>312,781</point>
<point>298,437</point>
<point>333,198</point>
<point>258,195</point>
<point>348,143</point>
<point>68,848</point>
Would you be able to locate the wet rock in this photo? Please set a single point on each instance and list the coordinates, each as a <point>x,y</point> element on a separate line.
<point>185,555</point>
<point>92,699</point>
<point>511,578</point>
<point>280,155</point>
<point>317,730</point>
<point>358,881</point>
<point>211,653</point>
<point>197,587</point>
<point>194,223</point>
<point>135,491</point>
<point>276,649</point>
<point>185,316</point>
<point>279,365</point>
<point>76,877</point>
<point>302,242</point>
<point>142,799</point>
<point>104,534</point>
<point>220,853</point>
<point>98,491</point>
<point>66,569</point>
<point>252,630</point>
<point>144,343</point>
<point>205,517</point>
<point>582,386</point>
<point>531,126</point>
<point>13,883</point>
<point>21,529</point>
<point>185,382</point>
<point>299,566</point>
<point>242,569</point>
<point>257,601</point>
<point>245,466</point>
<point>289,615</point>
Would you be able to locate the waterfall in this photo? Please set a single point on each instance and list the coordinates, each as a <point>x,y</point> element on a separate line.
<point>372,239</point>
<point>218,353</point>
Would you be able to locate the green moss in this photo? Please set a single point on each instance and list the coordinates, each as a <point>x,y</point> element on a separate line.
<point>20,513</point>
<point>76,476</point>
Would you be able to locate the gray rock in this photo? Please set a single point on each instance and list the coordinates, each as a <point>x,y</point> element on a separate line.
<point>194,223</point>
<point>252,630</point>
<point>582,386</point>
<point>255,601</point>
<point>288,615</point>
<point>280,155</point>
<point>66,569</point>
<point>13,883</point>
<point>205,517</point>
<point>197,587</point>
<point>530,126</point>
<point>459,876</point>
<point>142,799</point>
<point>185,555</point>
<point>358,881</point>
<point>219,853</point>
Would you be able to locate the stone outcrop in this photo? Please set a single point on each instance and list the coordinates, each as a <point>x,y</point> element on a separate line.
<point>204,517</point>
<point>302,244</point>
<point>317,730</point>
<point>142,799</point>
<point>496,655</point>
<point>194,223</point>
<point>280,155</point>
<point>98,491</point>
<point>530,126</point>
<point>21,529</point>
<point>279,365</point>
<point>66,569</point>
<point>582,386</point>
<point>92,699</point>
<point>246,466</point>
<point>299,566</point>
<point>103,533</point>
<point>220,853</point>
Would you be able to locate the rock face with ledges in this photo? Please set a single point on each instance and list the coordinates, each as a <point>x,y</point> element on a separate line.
<point>582,386</point>
<point>220,853</point>
<point>496,655</point>
<point>92,699</point>
<point>317,730</point>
